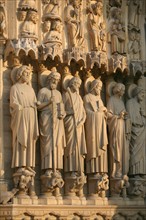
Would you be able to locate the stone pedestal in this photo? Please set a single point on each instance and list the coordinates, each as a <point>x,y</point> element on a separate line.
<point>136,190</point>
<point>74,184</point>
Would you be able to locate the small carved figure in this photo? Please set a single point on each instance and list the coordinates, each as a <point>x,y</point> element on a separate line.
<point>28,27</point>
<point>74,128</point>
<point>2,22</point>
<point>103,36</point>
<point>53,34</point>
<point>138,188</point>
<point>134,11</point>
<point>119,151</point>
<point>94,21</point>
<point>134,45</point>
<point>138,131</point>
<point>102,185</point>
<point>51,8</point>
<point>73,23</point>
<point>116,33</point>
<point>95,127</point>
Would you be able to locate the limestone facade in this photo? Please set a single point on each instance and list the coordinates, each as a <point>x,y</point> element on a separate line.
<point>72,109</point>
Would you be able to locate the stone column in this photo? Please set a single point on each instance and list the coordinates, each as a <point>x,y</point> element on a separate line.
<point>3,185</point>
<point>1,113</point>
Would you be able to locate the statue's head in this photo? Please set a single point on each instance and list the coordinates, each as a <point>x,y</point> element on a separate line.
<point>139,93</point>
<point>98,8</point>
<point>23,74</point>
<point>53,78</point>
<point>119,89</point>
<point>96,86</point>
<point>75,83</point>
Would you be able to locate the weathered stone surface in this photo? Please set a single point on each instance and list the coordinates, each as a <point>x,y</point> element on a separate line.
<point>62,172</point>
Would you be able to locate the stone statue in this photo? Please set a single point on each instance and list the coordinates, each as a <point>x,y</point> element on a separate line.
<point>94,21</point>
<point>134,46</point>
<point>52,7</point>
<point>138,132</point>
<point>74,129</point>
<point>28,27</point>
<point>73,23</point>
<point>52,136</point>
<point>103,36</point>
<point>116,33</point>
<point>119,151</point>
<point>54,32</point>
<point>24,122</point>
<point>134,11</point>
<point>95,127</point>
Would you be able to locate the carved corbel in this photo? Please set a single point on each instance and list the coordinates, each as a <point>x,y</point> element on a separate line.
<point>52,182</point>
<point>117,61</point>
<point>24,45</point>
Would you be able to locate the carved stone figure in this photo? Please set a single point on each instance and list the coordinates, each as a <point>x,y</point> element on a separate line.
<point>47,97</point>
<point>74,129</point>
<point>51,8</point>
<point>73,23</point>
<point>52,136</point>
<point>28,27</point>
<point>103,36</point>
<point>134,45</point>
<point>119,151</point>
<point>116,33</point>
<point>94,22</point>
<point>95,127</point>
<point>134,11</point>
<point>54,34</point>
<point>138,132</point>
<point>24,121</point>
<point>21,14</point>
<point>2,22</point>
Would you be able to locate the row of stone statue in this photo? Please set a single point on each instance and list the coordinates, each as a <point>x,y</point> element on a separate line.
<point>73,133</point>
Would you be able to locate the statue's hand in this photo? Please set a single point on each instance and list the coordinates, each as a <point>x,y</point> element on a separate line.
<point>20,107</point>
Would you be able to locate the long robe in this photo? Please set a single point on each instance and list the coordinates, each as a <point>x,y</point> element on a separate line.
<point>96,135</point>
<point>138,138</point>
<point>117,137</point>
<point>24,124</point>
<point>75,136</point>
<point>52,135</point>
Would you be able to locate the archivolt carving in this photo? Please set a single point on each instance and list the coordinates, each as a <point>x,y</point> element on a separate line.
<point>3,21</point>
